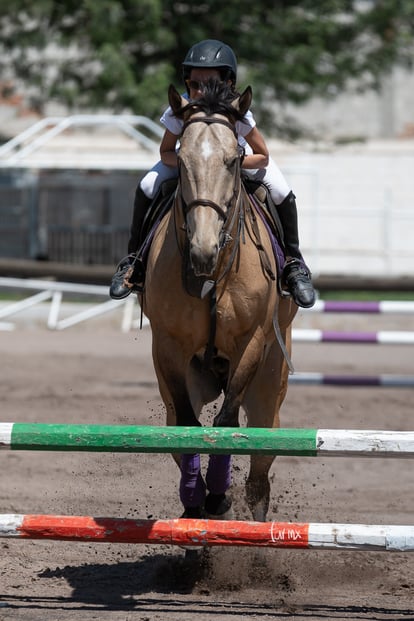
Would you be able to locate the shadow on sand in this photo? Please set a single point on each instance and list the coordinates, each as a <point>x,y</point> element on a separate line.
<point>134,586</point>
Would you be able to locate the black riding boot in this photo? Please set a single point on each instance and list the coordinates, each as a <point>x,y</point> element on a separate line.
<point>296,276</point>
<point>129,266</point>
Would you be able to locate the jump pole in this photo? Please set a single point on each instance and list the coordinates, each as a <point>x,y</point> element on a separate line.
<point>190,532</point>
<point>322,379</point>
<point>333,336</point>
<point>360,306</point>
<point>210,440</point>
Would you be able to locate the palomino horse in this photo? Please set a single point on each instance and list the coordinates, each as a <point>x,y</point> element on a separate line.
<point>213,236</point>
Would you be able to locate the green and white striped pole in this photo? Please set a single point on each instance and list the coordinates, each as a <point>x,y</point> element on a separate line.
<point>210,440</point>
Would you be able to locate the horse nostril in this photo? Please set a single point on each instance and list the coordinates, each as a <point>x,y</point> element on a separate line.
<point>203,261</point>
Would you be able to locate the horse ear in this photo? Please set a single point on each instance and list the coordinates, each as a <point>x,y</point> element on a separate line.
<point>175,100</point>
<point>244,101</point>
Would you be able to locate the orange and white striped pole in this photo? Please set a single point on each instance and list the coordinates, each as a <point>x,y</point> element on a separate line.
<point>200,532</point>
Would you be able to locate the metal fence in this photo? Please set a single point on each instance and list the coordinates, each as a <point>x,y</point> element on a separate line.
<point>76,207</point>
<point>68,216</point>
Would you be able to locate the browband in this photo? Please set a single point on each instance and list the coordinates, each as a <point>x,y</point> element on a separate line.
<point>209,120</point>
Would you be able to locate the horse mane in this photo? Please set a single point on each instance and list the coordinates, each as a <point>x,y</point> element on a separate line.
<point>217,98</point>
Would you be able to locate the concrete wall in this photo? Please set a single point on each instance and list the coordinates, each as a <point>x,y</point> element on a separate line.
<point>387,113</point>
<point>356,206</point>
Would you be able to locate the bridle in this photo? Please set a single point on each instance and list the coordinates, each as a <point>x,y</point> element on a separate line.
<point>206,202</point>
<point>210,286</point>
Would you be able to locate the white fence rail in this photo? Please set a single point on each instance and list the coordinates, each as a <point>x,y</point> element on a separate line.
<point>51,291</point>
<point>36,146</point>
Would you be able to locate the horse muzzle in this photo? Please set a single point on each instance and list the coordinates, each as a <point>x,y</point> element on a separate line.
<point>203,260</point>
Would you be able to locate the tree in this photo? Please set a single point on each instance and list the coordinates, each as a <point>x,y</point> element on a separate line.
<point>122,54</point>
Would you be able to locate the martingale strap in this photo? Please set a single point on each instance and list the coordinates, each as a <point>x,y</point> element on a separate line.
<point>210,347</point>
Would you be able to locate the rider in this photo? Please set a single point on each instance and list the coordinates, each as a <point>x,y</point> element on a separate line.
<point>206,60</point>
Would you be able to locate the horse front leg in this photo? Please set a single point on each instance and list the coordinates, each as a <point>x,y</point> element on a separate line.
<point>170,365</point>
<point>171,375</point>
<point>258,486</point>
<point>262,403</point>
<point>218,504</point>
<point>242,369</point>
<point>218,478</point>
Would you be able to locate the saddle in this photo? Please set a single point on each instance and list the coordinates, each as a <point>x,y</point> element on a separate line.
<point>160,205</point>
<point>260,198</point>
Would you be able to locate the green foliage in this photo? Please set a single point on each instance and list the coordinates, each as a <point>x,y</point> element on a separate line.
<point>122,54</point>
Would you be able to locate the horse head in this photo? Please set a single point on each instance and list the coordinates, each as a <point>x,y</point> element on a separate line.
<point>209,168</point>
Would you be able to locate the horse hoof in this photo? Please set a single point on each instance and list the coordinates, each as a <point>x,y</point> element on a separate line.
<point>218,507</point>
<point>193,513</point>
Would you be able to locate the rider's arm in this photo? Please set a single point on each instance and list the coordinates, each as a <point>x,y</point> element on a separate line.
<point>260,156</point>
<point>167,149</point>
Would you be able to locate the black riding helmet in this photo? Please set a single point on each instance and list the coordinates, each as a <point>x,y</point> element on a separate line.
<point>211,53</point>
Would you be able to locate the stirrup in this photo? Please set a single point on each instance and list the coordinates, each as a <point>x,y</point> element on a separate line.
<point>120,287</point>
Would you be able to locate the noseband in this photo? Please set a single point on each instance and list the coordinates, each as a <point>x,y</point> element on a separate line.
<point>205,202</point>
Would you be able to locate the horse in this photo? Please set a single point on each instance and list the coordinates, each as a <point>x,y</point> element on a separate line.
<point>213,305</point>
